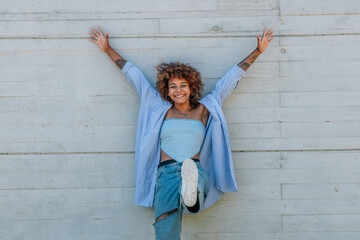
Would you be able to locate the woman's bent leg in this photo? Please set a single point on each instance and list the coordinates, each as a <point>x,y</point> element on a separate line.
<point>168,202</point>
<point>168,210</point>
<point>202,191</point>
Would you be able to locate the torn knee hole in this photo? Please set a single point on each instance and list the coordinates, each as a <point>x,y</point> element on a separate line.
<point>165,214</point>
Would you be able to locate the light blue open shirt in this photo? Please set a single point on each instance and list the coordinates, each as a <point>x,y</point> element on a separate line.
<point>215,153</point>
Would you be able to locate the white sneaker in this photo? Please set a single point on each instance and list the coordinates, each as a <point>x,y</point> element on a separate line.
<point>189,175</point>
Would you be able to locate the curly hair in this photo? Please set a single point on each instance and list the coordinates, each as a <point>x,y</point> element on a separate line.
<point>167,71</point>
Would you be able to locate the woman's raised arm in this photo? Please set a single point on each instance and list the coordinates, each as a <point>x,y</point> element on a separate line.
<point>103,43</point>
<point>261,47</point>
<point>148,95</point>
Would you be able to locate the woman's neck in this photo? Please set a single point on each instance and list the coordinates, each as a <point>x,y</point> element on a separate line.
<point>183,108</point>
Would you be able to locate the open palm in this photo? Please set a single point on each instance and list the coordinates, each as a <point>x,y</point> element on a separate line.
<point>263,43</point>
<point>100,40</point>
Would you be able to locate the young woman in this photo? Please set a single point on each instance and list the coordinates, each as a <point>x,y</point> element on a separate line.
<point>182,154</point>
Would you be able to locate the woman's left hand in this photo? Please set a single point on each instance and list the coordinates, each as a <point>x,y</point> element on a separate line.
<point>100,40</point>
<point>265,40</point>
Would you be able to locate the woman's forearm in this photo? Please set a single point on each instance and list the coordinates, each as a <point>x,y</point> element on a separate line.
<point>115,57</point>
<point>246,63</point>
<point>261,47</point>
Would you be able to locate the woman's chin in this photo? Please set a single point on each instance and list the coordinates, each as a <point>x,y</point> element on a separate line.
<point>181,101</point>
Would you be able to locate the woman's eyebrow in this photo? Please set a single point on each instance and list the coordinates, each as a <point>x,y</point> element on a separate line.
<point>180,83</point>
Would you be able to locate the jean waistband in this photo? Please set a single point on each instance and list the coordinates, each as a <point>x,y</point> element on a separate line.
<point>174,161</point>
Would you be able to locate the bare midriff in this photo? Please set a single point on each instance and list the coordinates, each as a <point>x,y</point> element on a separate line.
<point>165,157</point>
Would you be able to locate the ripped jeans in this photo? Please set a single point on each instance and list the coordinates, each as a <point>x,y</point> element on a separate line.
<point>168,197</point>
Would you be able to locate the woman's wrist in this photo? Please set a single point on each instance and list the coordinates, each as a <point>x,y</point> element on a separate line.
<point>108,49</point>
<point>257,50</point>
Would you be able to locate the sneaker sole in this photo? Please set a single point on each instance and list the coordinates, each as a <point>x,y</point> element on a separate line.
<point>189,175</point>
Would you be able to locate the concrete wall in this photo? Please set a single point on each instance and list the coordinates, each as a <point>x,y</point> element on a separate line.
<point>67,116</point>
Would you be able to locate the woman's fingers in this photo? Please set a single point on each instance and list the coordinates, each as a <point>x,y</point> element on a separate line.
<point>100,31</point>
<point>92,40</point>
<point>95,32</point>
<point>264,33</point>
<point>92,35</point>
<point>269,33</point>
<point>97,35</point>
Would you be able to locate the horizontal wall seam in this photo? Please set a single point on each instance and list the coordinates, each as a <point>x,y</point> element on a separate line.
<point>194,36</point>
<point>50,153</point>
<point>62,188</point>
<point>319,14</point>
<point>60,16</point>
<point>234,151</point>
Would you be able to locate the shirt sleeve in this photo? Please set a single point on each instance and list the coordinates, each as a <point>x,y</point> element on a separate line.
<point>228,83</point>
<point>140,84</point>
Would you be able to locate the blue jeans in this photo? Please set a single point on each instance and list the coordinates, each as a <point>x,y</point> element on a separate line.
<point>168,198</point>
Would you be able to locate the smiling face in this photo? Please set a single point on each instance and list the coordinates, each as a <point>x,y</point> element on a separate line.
<point>179,90</point>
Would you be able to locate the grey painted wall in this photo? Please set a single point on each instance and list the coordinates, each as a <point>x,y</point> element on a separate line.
<point>67,116</point>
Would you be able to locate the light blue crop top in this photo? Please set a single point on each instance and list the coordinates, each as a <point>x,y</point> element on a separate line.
<point>181,138</point>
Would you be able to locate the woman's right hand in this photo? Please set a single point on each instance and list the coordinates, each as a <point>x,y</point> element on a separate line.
<point>100,40</point>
